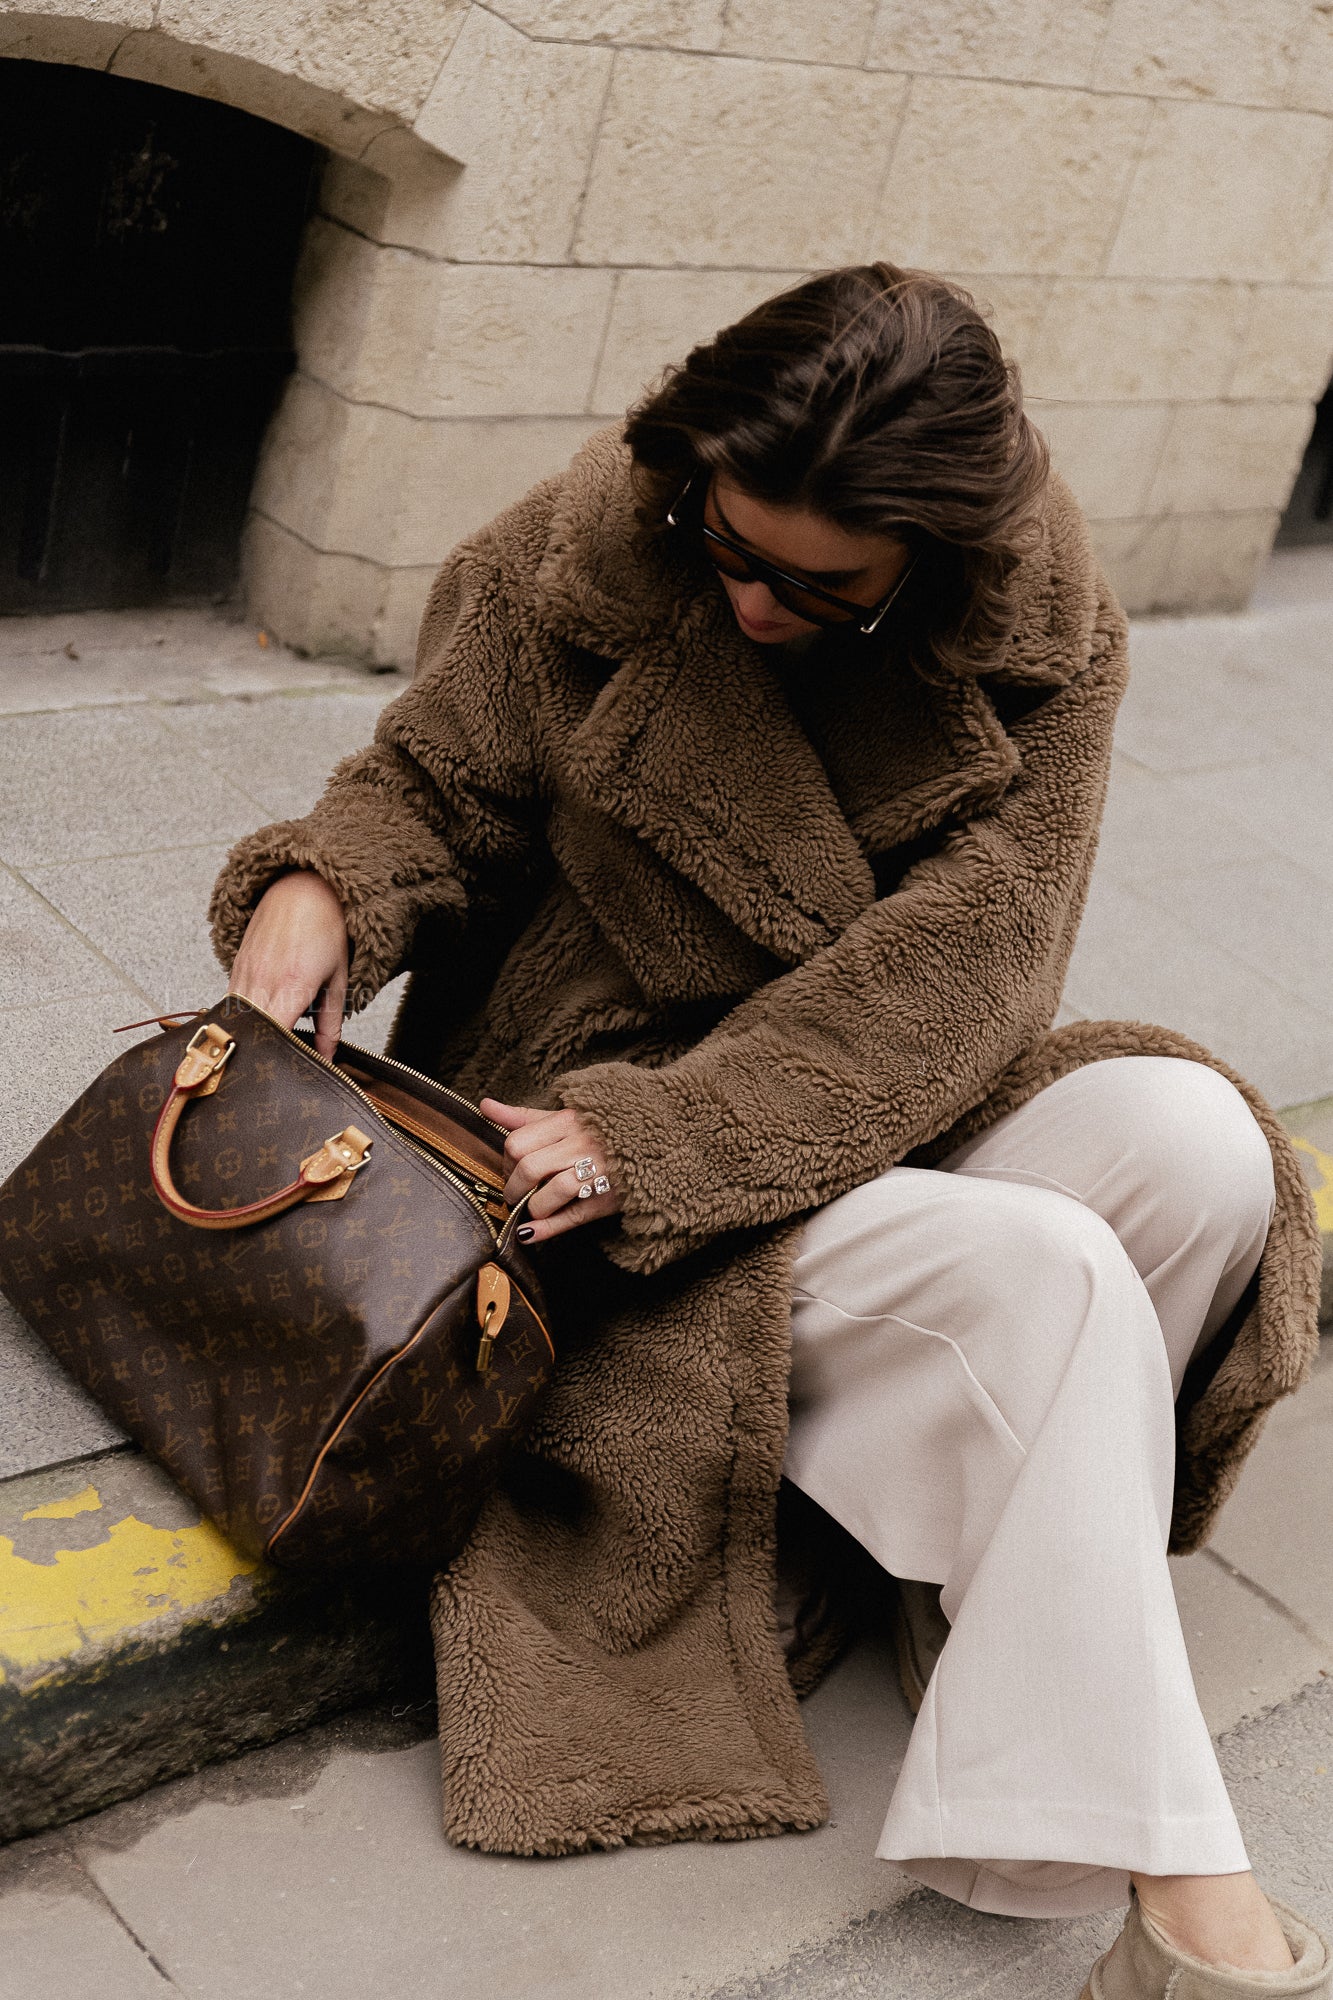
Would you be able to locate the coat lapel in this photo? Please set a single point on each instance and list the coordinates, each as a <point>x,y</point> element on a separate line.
<point>769,798</point>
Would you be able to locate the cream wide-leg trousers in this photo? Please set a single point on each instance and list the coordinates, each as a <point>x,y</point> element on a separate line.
<point>985,1357</point>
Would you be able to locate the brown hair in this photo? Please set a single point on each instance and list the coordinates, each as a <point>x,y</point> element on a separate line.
<point>879,398</point>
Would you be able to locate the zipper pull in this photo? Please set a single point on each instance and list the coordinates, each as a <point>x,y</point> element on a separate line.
<point>492,1308</point>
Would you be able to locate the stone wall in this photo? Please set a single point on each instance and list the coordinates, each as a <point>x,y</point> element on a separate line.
<point>531,206</point>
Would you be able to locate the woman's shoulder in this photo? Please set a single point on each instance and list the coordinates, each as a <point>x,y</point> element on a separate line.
<point>1067,616</point>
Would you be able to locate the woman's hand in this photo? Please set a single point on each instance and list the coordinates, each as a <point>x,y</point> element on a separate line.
<point>293,957</point>
<point>541,1152</point>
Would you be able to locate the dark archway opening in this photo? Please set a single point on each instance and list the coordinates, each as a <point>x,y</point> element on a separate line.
<point>1309,514</point>
<point>148,241</point>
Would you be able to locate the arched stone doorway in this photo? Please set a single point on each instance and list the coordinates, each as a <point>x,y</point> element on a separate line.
<point>148,240</point>
<point>356,597</point>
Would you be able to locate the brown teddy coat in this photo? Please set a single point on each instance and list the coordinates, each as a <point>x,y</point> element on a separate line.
<point>771,932</point>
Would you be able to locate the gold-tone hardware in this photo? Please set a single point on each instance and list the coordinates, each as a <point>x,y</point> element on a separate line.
<point>339,1156</point>
<point>200,1068</point>
<point>492,1310</point>
<point>454,1179</point>
<point>486,1345</point>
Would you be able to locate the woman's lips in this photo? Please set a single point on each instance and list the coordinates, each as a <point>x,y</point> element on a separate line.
<point>759,627</point>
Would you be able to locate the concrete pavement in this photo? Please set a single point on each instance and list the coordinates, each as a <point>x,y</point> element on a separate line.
<point>134,748</point>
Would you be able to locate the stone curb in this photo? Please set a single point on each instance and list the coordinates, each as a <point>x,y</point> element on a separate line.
<point>136,1644</point>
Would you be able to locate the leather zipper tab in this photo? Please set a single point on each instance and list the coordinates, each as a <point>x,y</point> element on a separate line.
<point>492,1311</point>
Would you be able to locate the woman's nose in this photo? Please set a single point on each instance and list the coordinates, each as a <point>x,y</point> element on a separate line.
<point>757,601</point>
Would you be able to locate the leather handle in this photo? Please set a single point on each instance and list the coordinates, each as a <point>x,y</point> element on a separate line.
<point>324,1176</point>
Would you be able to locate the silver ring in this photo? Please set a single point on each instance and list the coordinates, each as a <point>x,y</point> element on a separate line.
<point>585,1169</point>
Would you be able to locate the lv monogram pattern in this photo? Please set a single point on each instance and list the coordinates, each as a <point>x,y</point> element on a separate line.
<point>314,1374</point>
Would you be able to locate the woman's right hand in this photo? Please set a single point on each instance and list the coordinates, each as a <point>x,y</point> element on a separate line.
<point>293,957</point>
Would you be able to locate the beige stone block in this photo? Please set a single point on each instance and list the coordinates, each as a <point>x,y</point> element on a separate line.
<point>681,24</point>
<point>1316,264</point>
<point>459,475</point>
<point>1112,339</point>
<point>1029,41</point>
<point>1014,307</point>
<point>44,34</point>
<point>384,54</point>
<point>1233,457</point>
<point>1287,350</point>
<point>354,479</point>
<point>658,316</point>
<point>441,340</point>
<point>284,99</point>
<point>996,177</point>
<point>710,162</point>
<point>397,192</point>
<point>332,472</point>
<point>398,618</point>
<point>1311,84</point>
<point>521,116</point>
<point>333,302</point>
<point>834,31</point>
<point>1236,51</point>
<point>1222,192</point>
<point>324,604</point>
<point>307,598</point>
<point>1108,452</point>
<point>1216,560</point>
<point>1136,556</point>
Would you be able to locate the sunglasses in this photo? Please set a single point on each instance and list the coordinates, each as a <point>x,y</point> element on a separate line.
<point>807,600</point>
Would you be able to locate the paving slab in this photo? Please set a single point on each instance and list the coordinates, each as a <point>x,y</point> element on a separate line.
<point>1268,911</point>
<point>42,956</point>
<point>1134,960</point>
<point>1152,826</point>
<point>48,1417</point>
<point>281,748</point>
<point>108,658</point>
<point>61,1940</point>
<point>1276,1526</point>
<point>86,783</point>
<point>51,1053</point>
<point>147,915</point>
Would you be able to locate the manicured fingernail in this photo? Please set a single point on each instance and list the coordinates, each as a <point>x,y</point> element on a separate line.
<point>525,1232</point>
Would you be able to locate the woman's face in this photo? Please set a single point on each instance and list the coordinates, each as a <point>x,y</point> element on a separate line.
<point>861,568</point>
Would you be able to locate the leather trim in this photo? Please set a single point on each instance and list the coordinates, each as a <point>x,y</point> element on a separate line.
<point>355,1405</point>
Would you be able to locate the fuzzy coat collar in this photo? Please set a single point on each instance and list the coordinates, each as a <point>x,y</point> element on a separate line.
<point>693,742</point>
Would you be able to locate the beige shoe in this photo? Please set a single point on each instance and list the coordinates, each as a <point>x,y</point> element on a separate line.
<point>920,1629</point>
<point>1141,1965</point>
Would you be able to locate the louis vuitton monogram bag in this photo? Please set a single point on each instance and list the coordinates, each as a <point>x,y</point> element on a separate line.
<point>294,1283</point>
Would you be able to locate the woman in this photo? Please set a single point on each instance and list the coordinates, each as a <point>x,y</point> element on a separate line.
<point>736,829</point>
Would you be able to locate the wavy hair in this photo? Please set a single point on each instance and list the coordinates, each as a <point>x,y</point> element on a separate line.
<point>879,398</point>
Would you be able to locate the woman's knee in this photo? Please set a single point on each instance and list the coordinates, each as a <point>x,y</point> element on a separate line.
<point>1194,1140</point>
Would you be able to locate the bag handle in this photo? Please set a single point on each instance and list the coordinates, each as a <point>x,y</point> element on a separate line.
<point>325,1175</point>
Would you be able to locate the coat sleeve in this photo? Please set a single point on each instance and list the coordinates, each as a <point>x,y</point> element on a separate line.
<point>435,813</point>
<point>830,1073</point>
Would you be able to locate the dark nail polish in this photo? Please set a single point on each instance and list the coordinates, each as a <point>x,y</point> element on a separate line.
<point>525,1232</point>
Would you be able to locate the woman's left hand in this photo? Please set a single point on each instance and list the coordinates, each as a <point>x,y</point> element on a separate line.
<point>543,1152</point>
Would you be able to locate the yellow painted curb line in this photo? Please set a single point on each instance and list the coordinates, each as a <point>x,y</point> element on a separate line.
<point>83,1600</point>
